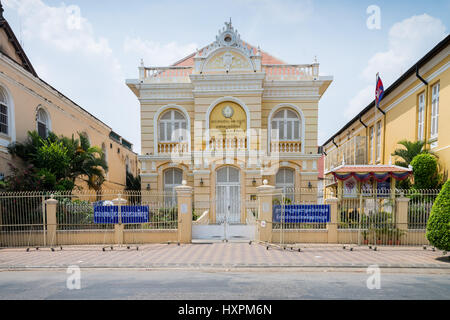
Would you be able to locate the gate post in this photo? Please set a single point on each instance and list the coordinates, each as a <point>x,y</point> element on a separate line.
<point>401,213</point>
<point>51,220</point>
<point>332,225</point>
<point>265,195</point>
<point>184,200</point>
<point>118,228</point>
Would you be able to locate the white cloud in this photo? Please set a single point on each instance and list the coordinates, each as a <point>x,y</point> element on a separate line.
<point>62,27</point>
<point>75,60</point>
<point>157,54</point>
<point>408,40</point>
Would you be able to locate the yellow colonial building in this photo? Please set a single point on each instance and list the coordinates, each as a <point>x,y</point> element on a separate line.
<point>28,103</point>
<point>224,119</point>
<point>415,107</point>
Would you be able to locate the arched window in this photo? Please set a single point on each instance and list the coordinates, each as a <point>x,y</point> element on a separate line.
<point>228,175</point>
<point>286,126</point>
<point>4,113</point>
<point>43,123</point>
<point>172,178</point>
<point>172,127</point>
<point>127,165</point>
<point>285,179</point>
<point>105,156</point>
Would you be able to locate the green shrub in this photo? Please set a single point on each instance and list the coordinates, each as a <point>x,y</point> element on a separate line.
<point>425,171</point>
<point>438,227</point>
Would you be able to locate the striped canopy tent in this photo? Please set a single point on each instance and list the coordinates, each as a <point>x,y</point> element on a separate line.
<point>362,173</point>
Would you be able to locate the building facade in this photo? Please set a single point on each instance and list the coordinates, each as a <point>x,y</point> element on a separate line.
<point>226,118</point>
<point>415,107</point>
<point>28,103</point>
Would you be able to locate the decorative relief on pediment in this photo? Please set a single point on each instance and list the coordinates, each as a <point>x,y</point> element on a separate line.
<point>228,61</point>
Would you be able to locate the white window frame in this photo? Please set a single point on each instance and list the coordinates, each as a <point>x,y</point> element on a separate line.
<point>8,102</point>
<point>434,125</point>
<point>284,121</point>
<point>421,117</point>
<point>47,122</point>
<point>378,150</point>
<point>371,144</point>
<point>169,188</point>
<point>169,126</point>
<point>288,187</point>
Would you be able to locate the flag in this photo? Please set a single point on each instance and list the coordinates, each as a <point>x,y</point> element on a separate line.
<point>379,91</point>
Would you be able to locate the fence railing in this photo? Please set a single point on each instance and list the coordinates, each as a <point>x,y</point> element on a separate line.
<point>25,221</point>
<point>368,217</point>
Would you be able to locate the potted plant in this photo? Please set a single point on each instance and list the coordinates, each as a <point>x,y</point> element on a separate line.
<point>397,234</point>
<point>365,240</point>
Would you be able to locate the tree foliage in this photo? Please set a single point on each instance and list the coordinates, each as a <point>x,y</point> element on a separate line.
<point>406,155</point>
<point>55,163</point>
<point>425,171</point>
<point>410,150</point>
<point>438,226</point>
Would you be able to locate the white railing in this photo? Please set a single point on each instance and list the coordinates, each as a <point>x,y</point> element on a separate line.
<point>291,72</point>
<point>228,144</point>
<point>171,147</point>
<point>286,146</point>
<point>165,74</point>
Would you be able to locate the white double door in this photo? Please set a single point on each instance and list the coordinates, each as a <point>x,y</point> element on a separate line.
<point>228,204</point>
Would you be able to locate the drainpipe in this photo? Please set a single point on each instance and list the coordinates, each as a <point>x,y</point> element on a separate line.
<point>365,126</point>
<point>335,144</point>
<point>425,111</point>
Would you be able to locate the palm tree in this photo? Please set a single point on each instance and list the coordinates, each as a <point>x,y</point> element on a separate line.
<point>85,162</point>
<point>408,153</point>
<point>88,162</point>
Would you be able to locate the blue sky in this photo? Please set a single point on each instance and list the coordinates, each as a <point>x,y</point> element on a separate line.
<point>88,59</point>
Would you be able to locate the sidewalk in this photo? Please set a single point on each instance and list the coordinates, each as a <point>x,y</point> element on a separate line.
<point>222,255</point>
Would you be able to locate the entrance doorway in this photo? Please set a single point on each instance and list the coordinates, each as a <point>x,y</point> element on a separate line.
<point>228,196</point>
<point>227,206</point>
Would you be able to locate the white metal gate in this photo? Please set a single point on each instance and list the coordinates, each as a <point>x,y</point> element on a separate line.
<point>227,206</point>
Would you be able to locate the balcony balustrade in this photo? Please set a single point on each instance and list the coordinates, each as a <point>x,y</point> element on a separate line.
<point>285,146</point>
<point>173,147</point>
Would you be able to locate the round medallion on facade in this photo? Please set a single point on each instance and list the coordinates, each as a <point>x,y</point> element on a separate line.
<point>227,112</point>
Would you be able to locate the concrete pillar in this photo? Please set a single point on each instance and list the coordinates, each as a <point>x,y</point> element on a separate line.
<point>265,196</point>
<point>118,228</point>
<point>332,226</point>
<point>184,198</point>
<point>51,221</point>
<point>401,213</point>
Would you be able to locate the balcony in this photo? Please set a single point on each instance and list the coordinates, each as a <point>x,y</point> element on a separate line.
<point>228,144</point>
<point>165,74</point>
<point>285,146</point>
<point>274,72</point>
<point>291,72</point>
<point>351,152</point>
<point>173,147</point>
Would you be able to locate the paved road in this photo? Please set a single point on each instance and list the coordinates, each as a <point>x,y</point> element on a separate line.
<point>204,285</point>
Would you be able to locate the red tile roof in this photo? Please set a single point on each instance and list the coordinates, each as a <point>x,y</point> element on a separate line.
<point>266,58</point>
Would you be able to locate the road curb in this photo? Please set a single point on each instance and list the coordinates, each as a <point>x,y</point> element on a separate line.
<point>193,266</point>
